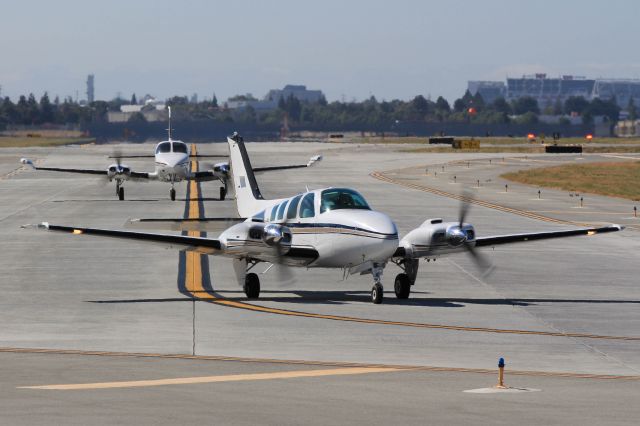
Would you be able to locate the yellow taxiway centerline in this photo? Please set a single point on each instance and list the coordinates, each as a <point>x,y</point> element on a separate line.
<point>216,379</point>
<point>193,270</point>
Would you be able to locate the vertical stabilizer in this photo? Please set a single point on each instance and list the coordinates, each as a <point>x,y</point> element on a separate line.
<point>249,200</point>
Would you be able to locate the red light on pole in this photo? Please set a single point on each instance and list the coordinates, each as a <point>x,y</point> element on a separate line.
<point>471,111</point>
<point>589,136</point>
<point>531,136</point>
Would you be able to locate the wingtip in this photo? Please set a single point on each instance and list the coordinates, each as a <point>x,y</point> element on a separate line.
<point>27,162</point>
<point>42,225</point>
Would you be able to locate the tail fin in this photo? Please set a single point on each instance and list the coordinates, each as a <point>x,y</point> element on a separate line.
<point>249,200</point>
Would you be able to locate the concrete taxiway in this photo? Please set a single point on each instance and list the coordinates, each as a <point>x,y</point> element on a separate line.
<point>563,313</point>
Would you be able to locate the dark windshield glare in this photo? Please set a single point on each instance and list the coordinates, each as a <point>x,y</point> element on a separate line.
<point>180,147</point>
<point>164,147</point>
<point>341,198</point>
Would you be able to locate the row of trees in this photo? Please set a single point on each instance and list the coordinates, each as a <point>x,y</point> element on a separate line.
<point>371,112</point>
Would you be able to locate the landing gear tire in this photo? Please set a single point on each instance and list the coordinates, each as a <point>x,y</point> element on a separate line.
<point>121,193</point>
<point>252,286</point>
<point>172,193</point>
<point>376,294</point>
<point>223,193</point>
<point>402,286</point>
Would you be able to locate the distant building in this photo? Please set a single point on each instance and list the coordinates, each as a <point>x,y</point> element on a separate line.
<point>152,110</point>
<point>627,128</point>
<point>258,106</point>
<point>622,89</point>
<point>299,92</point>
<point>90,89</point>
<point>550,90</point>
<point>271,99</point>
<point>489,90</point>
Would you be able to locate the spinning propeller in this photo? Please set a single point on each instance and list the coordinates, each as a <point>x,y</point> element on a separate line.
<point>459,237</point>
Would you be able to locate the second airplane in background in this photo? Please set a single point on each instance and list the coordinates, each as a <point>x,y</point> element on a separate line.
<point>172,158</point>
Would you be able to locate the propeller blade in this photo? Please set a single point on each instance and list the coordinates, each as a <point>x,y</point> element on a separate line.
<point>117,155</point>
<point>464,207</point>
<point>482,263</point>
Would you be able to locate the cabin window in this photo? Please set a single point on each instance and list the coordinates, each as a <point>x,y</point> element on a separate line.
<point>164,147</point>
<point>293,207</point>
<point>307,205</point>
<point>342,198</point>
<point>281,210</point>
<point>274,212</point>
<point>180,147</point>
<point>259,217</point>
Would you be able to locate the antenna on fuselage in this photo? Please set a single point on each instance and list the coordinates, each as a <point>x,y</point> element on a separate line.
<point>169,129</point>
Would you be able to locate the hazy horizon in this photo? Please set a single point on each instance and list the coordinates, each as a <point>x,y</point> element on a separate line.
<point>348,50</point>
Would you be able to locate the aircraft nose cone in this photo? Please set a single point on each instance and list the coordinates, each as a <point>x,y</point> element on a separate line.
<point>456,236</point>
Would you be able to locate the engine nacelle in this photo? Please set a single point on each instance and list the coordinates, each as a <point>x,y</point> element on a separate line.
<point>435,237</point>
<point>222,169</point>
<point>258,239</point>
<point>118,171</point>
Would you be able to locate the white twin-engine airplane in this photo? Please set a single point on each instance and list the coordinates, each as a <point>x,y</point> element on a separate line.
<point>324,228</point>
<point>172,159</point>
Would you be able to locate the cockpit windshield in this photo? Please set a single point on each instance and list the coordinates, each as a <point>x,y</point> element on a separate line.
<point>163,147</point>
<point>180,147</point>
<point>342,198</point>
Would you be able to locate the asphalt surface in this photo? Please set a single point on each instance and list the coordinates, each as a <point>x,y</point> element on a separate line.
<point>563,313</point>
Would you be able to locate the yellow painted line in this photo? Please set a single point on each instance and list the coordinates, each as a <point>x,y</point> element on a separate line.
<point>75,352</point>
<point>258,308</point>
<point>216,379</point>
<point>193,270</point>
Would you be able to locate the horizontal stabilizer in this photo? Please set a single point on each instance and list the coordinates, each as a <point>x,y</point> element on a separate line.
<point>153,156</point>
<point>210,224</point>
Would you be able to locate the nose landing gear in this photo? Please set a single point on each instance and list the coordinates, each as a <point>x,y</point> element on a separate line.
<point>172,194</point>
<point>377,291</point>
<point>119,190</point>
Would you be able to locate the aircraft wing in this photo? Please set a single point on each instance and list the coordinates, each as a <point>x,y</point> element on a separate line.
<point>516,238</point>
<point>426,250</point>
<point>203,224</point>
<point>132,174</point>
<point>181,242</point>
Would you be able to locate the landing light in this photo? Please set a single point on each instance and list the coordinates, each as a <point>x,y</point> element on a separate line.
<point>589,137</point>
<point>77,231</point>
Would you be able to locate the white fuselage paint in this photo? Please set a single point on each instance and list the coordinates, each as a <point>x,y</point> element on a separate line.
<point>171,166</point>
<point>342,238</point>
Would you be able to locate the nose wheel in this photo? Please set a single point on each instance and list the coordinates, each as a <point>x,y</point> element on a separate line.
<point>120,191</point>
<point>377,293</point>
<point>223,193</point>
<point>172,194</point>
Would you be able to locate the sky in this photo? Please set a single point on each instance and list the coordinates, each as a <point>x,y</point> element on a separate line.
<point>350,49</point>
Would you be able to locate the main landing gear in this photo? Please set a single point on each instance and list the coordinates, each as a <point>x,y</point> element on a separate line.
<point>223,193</point>
<point>402,286</point>
<point>252,285</point>
<point>172,194</point>
<point>405,280</point>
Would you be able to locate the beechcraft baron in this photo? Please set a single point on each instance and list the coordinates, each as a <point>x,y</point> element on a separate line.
<point>325,228</point>
<point>172,159</point>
